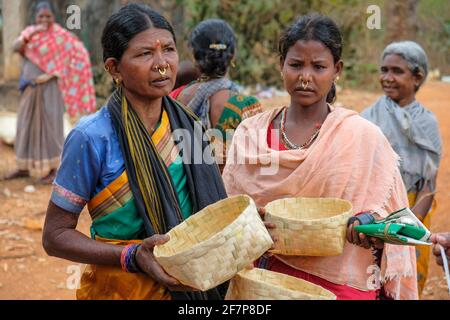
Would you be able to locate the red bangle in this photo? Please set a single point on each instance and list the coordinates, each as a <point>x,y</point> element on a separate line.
<point>123,256</point>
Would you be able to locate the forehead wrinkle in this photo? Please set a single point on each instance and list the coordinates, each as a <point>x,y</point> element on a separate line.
<point>394,61</point>
<point>141,41</point>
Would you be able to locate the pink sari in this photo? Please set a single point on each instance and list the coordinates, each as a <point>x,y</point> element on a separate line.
<point>58,52</point>
<point>351,159</point>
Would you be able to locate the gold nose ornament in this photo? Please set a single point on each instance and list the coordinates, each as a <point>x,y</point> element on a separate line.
<point>304,83</point>
<point>162,70</point>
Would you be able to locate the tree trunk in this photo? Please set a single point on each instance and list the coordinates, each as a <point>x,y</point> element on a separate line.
<point>14,16</point>
<point>401,20</point>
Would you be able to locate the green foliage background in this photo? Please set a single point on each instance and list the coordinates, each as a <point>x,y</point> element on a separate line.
<point>259,24</point>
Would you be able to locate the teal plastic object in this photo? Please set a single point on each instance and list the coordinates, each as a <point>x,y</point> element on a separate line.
<point>400,227</point>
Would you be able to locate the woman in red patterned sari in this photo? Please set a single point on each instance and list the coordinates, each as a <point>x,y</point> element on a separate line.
<point>56,75</point>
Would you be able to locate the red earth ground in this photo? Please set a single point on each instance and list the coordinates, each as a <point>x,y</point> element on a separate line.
<point>26,272</point>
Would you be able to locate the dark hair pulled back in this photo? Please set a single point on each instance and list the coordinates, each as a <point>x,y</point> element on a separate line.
<point>313,27</point>
<point>213,44</point>
<point>129,21</point>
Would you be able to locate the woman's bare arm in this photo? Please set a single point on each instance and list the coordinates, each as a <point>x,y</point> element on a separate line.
<point>21,41</point>
<point>18,45</point>
<point>425,198</point>
<point>61,239</point>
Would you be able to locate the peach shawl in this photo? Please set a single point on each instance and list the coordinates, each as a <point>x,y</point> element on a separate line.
<point>351,159</point>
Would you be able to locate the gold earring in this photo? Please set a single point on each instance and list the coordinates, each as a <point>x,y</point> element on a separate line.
<point>336,80</point>
<point>282,75</point>
<point>233,65</point>
<point>117,82</point>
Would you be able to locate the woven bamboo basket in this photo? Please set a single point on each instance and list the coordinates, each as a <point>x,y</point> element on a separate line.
<point>213,245</point>
<point>261,284</point>
<point>309,226</point>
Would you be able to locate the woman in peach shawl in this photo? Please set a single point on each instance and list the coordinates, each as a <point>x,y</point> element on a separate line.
<point>311,149</point>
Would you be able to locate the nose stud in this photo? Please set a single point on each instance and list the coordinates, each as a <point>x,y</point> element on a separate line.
<point>304,83</point>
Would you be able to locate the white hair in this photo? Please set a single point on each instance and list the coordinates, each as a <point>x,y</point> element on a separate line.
<point>413,54</point>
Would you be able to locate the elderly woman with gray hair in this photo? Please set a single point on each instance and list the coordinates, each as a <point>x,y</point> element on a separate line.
<point>412,131</point>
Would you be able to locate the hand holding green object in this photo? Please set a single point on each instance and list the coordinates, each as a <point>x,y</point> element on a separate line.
<point>400,227</point>
<point>362,240</point>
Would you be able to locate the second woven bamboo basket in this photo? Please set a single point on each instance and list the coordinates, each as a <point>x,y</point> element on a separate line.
<point>213,245</point>
<point>261,284</point>
<point>309,226</point>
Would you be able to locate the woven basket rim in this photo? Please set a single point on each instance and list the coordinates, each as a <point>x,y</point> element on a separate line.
<point>247,274</point>
<point>195,247</point>
<point>323,219</point>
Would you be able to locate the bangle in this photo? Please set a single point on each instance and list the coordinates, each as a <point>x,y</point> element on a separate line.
<point>364,217</point>
<point>128,259</point>
<point>134,267</point>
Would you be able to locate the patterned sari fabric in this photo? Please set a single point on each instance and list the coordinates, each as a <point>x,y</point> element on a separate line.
<point>58,52</point>
<point>111,283</point>
<point>113,210</point>
<point>237,108</point>
<point>40,126</point>
<point>114,216</point>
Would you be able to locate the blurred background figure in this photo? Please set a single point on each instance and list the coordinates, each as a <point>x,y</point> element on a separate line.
<point>56,73</point>
<point>187,73</point>
<point>412,130</point>
<point>214,98</point>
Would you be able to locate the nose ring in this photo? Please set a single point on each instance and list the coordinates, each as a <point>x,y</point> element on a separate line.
<point>162,70</point>
<point>303,83</point>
